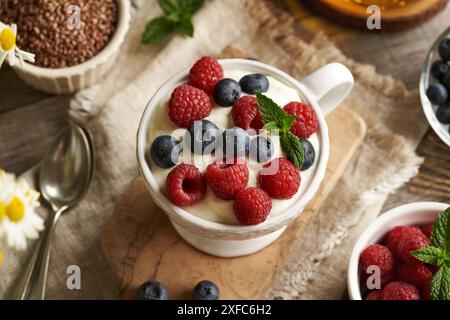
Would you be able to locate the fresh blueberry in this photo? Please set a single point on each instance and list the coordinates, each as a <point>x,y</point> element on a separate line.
<point>253,83</point>
<point>437,93</point>
<point>310,154</point>
<point>153,290</point>
<point>261,149</point>
<point>206,290</point>
<point>444,49</point>
<point>165,151</point>
<point>235,142</point>
<point>202,137</point>
<point>446,80</point>
<point>439,69</point>
<point>443,113</point>
<point>226,92</point>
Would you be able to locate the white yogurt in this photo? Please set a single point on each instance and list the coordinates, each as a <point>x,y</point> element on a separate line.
<point>211,207</point>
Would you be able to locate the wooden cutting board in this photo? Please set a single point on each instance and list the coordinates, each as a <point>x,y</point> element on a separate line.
<point>396,15</point>
<point>139,242</point>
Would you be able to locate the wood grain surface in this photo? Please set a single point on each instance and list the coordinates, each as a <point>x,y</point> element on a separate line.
<point>139,242</point>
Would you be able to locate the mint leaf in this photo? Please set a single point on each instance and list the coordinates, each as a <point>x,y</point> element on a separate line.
<point>292,145</point>
<point>287,122</point>
<point>440,237</point>
<point>190,7</point>
<point>167,6</point>
<point>269,110</point>
<point>186,27</point>
<point>430,255</point>
<point>271,126</point>
<point>156,30</point>
<point>440,284</point>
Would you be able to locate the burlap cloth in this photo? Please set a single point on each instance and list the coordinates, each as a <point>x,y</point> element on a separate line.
<point>316,268</point>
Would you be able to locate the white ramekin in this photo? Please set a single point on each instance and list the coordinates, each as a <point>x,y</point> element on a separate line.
<point>326,87</point>
<point>419,213</point>
<point>73,79</point>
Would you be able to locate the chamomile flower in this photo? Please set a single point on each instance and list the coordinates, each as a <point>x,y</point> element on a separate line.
<point>8,47</point>
<point>19,220</point>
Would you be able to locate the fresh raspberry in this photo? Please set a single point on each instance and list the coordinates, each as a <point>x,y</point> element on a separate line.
<point>252,206</point>
<point>246,115</point>
<point>396,235</point>
<point>205,73</point>
<point>280,178</point>
<point>226,180</point>
<point>406,246</point>
<point>426,292</point>
<point>400,291</point>
<point>427,230</point>
<point>377,255</point>
<point>185,185</point>
<point>188,104</point>
<point>375,295</point>
<point>415,273</point>
<point>306,123</point>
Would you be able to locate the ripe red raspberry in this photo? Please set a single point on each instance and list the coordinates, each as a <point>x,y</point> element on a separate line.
<point>280,178</point>
<point>426,292</point>
<point>185,185</point>
<point>415,273</point>
<point>375,295</point>
<point>398,234</point>
<point>252,206</point>
<point>427,230</point>
<point>377,255</point>
<point>406,246</point>
<point>246,115</point>
<point>205,73</point>
<point>400,291</point>
<point>226,180</point>
<point>306,123</point>
<point>188,104</point>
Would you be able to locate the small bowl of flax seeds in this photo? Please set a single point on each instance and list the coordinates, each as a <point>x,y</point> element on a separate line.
<point>75,42</point>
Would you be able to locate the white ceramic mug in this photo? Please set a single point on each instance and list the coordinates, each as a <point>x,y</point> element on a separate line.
<point>323,90</point>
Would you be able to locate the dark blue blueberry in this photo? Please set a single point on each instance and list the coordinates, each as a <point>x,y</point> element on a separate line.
<point>253,83</point>
<point>206,290</point>
<point>443,113</point>
<point>444,49</point>
<point>261,149</point>
<point>226,92</point>
<point>165,151</point>
<point>202,137</point>
<point>310,154</point>
<point>153,290</point>
<point>439,69</point>
<point>437,93</point>
<point>235,142</point>
<point>446,80</point>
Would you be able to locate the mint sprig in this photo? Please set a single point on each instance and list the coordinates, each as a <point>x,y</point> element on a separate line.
<point>438,254</point>
<point>177,17</point>
<point>278,121</point>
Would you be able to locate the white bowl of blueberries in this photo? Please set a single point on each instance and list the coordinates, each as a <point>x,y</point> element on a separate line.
<point>435,87</point>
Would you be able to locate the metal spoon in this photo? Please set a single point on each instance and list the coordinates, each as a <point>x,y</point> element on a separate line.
<point>64,177</point>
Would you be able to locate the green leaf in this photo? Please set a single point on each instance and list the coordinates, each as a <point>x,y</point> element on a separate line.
<point>292,145</point>
<point>430,255</point>
<point>156,30</point>
<point>186,27</point>
<point>440,284</point>
<point>287,122</point>
<point>271,126</point>
<point>440,237</point>
<point>269,110</point>
<point>168,6</point>
<point>190,7</point>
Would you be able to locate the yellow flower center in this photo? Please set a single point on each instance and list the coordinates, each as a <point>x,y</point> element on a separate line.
<point>7,39</point>
<point>2,210</point>
<point>15,210</point>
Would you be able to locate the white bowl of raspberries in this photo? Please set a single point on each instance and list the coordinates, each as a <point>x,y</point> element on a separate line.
<point>403,255</point>
<point>435,87</point>
<point>195,143</point>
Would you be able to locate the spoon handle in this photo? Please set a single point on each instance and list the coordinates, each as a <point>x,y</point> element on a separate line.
<point>37,291</point>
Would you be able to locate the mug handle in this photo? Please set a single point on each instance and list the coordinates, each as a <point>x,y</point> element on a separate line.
<point>329,85</point>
